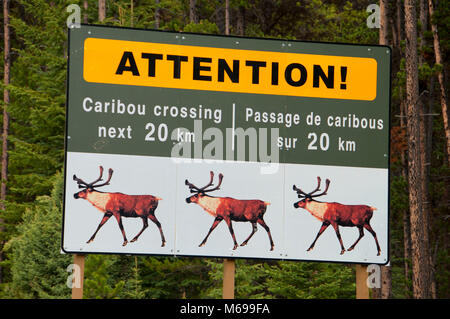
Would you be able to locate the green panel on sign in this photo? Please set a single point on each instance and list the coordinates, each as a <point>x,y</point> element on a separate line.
<point>198,123</point>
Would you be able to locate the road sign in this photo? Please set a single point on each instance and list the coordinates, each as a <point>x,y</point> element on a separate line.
<point>192,144</point>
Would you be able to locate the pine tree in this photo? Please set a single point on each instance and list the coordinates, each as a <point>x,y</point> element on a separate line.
<point>441,79</point>
<point>420,260</point>
<point>39,269</point>
<point>37,105</point>
<point>99,283</point>
<point>5,130</point>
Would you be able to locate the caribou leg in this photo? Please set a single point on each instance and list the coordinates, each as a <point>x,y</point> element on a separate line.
<point>264,225</point>
<point>338,234</point>
<point>119,221</point>
<point>254,229</point>
<point>103,221</point>
<point>322,229</point>
<point>158,224</point>
<point>230,227</point>
<point>145,225</point>
<point>361,235</point>
<point>369,228</point>
<point>214,225</point>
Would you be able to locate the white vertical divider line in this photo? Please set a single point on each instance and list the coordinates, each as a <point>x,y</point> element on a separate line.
<point>174,253</point>
<point>233,124</point>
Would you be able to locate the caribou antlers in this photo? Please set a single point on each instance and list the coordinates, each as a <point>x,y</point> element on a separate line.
<point>195,189</point>
<point>302,194</point>
<point>83,184</point>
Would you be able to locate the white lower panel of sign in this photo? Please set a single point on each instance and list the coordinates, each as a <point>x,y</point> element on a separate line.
<point>263,197</point>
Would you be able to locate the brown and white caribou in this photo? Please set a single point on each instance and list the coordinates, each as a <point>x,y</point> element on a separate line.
<point>336,214</point>
<point>229,209</point>
<point>119,205</point>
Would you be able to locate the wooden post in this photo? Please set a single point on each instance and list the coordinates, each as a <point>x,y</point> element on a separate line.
<point>362,290</point>
<point>228,279</point>
<point>78,277</point>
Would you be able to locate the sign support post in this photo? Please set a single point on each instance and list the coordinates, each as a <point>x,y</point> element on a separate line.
<point>77,287</point>
<point>228,278</point>
<point>362,290</point>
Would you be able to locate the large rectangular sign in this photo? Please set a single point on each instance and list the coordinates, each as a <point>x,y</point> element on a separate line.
<point>200,145</point>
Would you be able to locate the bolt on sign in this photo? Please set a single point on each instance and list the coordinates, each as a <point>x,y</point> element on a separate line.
<point>199,145</point>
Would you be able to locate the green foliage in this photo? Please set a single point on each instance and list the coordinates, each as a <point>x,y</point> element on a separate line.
<point>285,279</point>
<point>312,280</point>
<point>312,20</point>
<point>39,269</point>
<point>133,287</point>
<point>250,279</point>
<point>37,105</point>
<point>110,277</point>
<point>442,19</point>
<point>169,277</point>
<point>99,284</point>
<point>204,26</point>
<point>34,267</point>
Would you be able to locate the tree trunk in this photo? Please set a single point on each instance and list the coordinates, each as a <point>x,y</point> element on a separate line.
<point>85,7</point>
<point>386,282</point>
<point>6,78</point>
<point>406,219</point>
<point>399,35</point>
<point>240,23</point>
<point>192,11</point>
<point>386,285</point>
<point>441,79</point>
<point>131,13</point>
<point>395,39</point>
<point>227,17</point>
<point>383,35</point>
<point>425,145</point>
<point>420,260</point>
<point>101,10</point>
<point>157,14</point>
<point>428,143</point>
<point>400,17</point>
<point>423,18</point>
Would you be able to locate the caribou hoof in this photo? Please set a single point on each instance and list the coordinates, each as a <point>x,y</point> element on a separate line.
<point>163,244</point>
<point>124,243</point>
<point>342,251</point>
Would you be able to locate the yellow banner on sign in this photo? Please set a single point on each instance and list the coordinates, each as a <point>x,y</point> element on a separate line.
<point>229,70</point>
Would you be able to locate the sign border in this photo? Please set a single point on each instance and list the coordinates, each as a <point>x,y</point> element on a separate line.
<point>388,255</point>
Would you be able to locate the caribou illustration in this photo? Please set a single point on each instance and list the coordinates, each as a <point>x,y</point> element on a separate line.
<point>119,205</point>
<point>336,214</point>
<point>229,209</point>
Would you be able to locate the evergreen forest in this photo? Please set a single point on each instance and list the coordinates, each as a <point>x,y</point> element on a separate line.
<point>33,103</point>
